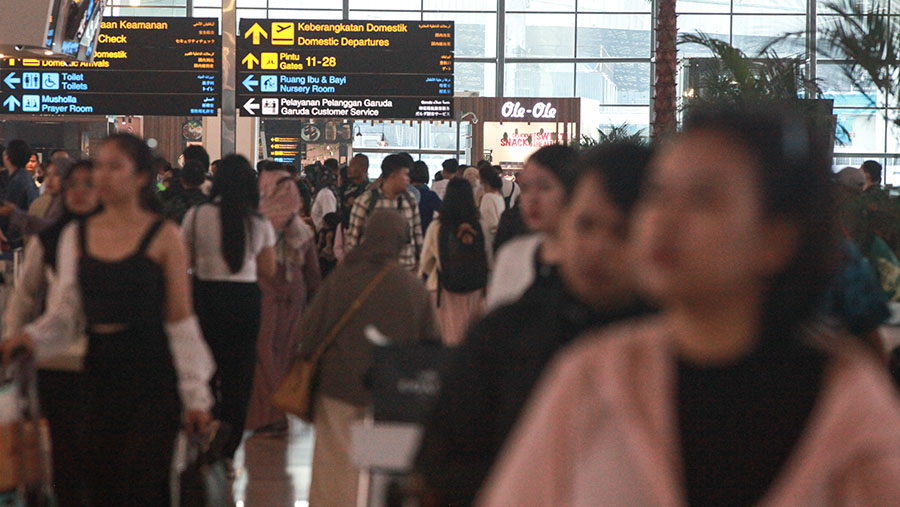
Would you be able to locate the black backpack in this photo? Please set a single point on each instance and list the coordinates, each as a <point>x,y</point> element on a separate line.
<point>464,266</point>
<point>508,198</point>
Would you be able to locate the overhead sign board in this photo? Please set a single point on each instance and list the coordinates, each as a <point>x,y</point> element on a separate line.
<point>142,66</point>
<point>347,69</point>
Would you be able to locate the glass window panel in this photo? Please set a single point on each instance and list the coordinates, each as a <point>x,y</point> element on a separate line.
<point>540,35</point>
<point>309,4</point>
<point>385,15</point>
<point>387,4</point>
<point>442,136</point>
<point>475,77</point>
<point>712,6</point>
<point>208,13</point>
<point>299,14</point>
<point>772,6</point>
<point>251,14</point>
<point>613,83</point>
<point>621,35</point>
<point>262,4</point>
<point>859,130</point>
<point>893,134</point>
<point>613,6</point>
<point>540,5</point>
<point>178,12</point>
<point>475,34</point>
<point>753,33</point>
<point>891,171</point>
<point>460,5</point>
<point>638,118</point>
<point>837,85</point>
<point>822,7</point>
<point>539,80</point>
<point>207,3</point>
<point>717,27</point>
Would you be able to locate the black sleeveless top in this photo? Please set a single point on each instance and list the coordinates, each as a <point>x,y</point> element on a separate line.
<point>130,291</point>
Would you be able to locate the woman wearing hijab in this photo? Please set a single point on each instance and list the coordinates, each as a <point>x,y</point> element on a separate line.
<point>284,296</point>
<point>398,307</point>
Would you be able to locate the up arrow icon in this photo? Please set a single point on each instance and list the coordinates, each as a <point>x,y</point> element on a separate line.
<point>256,32</point>
<point>11,80</point>
<point>251,106</point>
<point>250,60</point>
<point>249,83</point>
<point>11,103</point>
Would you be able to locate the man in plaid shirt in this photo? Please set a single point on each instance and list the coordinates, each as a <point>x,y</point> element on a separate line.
<point>391,193</point>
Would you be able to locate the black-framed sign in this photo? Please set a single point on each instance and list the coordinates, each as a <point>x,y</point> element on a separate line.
<point>345,69</point>
<point>142,66</point>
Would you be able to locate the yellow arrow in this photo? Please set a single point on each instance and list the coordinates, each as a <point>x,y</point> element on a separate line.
<point>256,31</point>
<point>249,60</point>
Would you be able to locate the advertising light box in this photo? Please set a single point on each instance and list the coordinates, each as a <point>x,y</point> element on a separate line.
<point>142,66</point>
<point>345,69</point>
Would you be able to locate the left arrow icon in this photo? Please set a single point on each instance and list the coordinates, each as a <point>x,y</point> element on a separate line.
<point>249,83</point>
<point>11,80</point>
<point>251,106</point>
<point>11,103</point>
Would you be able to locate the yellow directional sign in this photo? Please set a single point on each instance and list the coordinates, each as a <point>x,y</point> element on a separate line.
<point>283,33</point>
<point>286,139</point>
<point>250,60</point>
<point>269,61</point>
<point>256,32</point>
<point>280,146</point>
<point>283,153</point>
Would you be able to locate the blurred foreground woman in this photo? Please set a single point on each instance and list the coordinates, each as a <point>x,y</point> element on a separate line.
<point>146,366</point>
<point>732,396</point>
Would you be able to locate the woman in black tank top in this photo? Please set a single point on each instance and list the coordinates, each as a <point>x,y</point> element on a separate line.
<point>146,360</point>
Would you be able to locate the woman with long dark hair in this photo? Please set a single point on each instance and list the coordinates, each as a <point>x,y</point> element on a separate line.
<point>734,395</point>
<point>454,244</point>
<point>231,245</point>
<point>146,360</point>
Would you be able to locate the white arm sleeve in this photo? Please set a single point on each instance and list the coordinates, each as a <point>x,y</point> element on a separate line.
<point>60,324</point>
<point>24,300</point>
<point>193,362</point>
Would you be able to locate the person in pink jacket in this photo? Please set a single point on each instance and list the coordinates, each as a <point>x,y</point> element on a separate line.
<point>733,395</point>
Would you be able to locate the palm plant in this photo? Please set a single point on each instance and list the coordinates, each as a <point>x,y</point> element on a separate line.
<point>867,40</point>
<point>732,76</point>
<point>615,133</point>
<point>664,100</point>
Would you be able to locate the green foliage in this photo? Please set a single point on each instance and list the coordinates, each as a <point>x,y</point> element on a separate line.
<point>734,77</point>
<point>615,133</point>
<point>866,40</point>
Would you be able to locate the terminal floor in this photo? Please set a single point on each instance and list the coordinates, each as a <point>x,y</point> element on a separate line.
<point>274,470</point>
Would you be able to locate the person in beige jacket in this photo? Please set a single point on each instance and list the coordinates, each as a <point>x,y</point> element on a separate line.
<point>733,395</point>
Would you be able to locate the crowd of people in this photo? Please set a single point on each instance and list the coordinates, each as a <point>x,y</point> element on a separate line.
<point>692,323</point>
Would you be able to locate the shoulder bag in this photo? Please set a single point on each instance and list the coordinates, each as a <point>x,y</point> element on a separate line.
<point>294,394</point>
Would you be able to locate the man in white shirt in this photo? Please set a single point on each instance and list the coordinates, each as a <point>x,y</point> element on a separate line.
<point>449,171</point>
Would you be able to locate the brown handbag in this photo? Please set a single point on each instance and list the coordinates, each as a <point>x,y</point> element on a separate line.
<point>294,394</point>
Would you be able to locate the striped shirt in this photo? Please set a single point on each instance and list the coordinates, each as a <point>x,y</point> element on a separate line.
<point>406,206</point>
